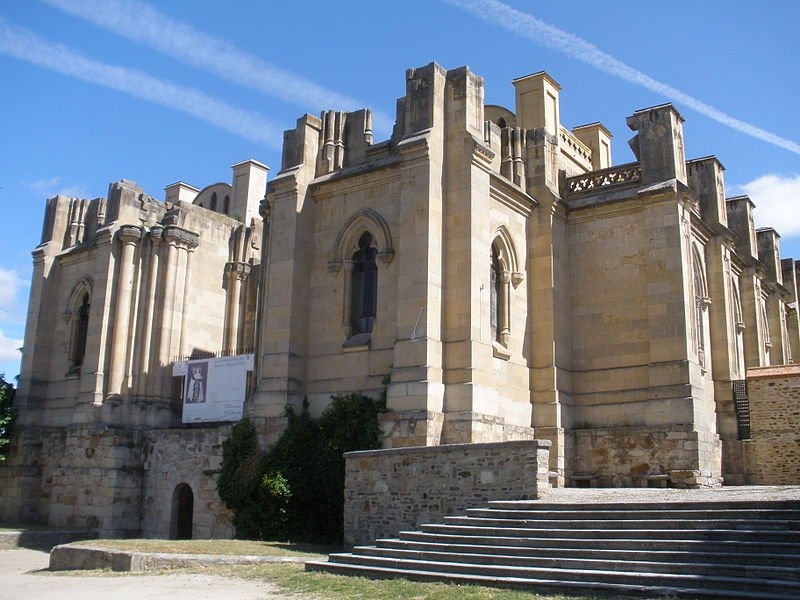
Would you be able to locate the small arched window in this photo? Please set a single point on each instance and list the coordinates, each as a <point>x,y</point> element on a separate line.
<point>501,122</point>
<point>364,286</point>
<point>214,201</point>
<point>226,205</point>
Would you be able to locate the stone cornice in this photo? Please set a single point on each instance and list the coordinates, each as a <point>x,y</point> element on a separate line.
<point>181,237</point>
<point>510,195</point>
<point>129,234</point>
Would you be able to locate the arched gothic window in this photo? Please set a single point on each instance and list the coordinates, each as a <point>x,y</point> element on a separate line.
<point>80,329</point>
<point>495,292</point>
<point>364,286</point>
<point>226,205</point>
<point>214,201</point>
<point>701,304</point>
<point>762,316</point>
<point>739,330</point>
<point>499,297</point>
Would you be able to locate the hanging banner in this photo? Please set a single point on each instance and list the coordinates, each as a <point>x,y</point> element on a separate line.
<point>214,388</point>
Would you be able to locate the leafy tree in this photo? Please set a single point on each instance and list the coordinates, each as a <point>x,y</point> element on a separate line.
<point>296,490</point>
<point>7,415</point>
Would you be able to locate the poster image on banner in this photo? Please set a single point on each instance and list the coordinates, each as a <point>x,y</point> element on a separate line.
<point>214,388</point>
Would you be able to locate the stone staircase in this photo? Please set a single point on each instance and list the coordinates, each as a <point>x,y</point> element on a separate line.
<point>731,549</point>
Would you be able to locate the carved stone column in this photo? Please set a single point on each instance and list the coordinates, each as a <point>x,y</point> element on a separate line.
<point>129,236</point>
<point>236,272</point>
<point>177,240</point>
<point>145,371</point>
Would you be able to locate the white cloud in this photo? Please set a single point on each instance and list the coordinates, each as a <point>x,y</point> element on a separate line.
<point>28,46</point>
<point>10,285</point>
<point>777,200</point>
<point>9,351</point>
<point>51,187</point>
<point>45,186</point>
<point>146,25</point>
<point>543,34</point>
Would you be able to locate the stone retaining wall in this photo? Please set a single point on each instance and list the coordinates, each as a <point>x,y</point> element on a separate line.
<point>772,455</point>
<point>387,491</point>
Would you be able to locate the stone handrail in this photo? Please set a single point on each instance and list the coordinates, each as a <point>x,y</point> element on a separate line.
<point>613,176</point>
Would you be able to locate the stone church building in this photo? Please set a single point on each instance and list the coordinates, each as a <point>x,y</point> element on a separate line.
<point>508,278</point>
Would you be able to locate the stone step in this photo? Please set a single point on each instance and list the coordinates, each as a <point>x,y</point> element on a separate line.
<point>670,524</point>
<point>569,514</point>
<point>602,576</point>
<point>787,537</point>
<point>649,506</point>
<point>640,589</point>
<point>698,566</point>
<point>594,543</point>
<point>663,556</point>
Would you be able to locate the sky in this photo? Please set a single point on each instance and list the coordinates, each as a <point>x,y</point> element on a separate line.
<point>179,90</point>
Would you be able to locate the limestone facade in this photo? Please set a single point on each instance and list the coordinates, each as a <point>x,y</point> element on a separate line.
<point>509,280</point>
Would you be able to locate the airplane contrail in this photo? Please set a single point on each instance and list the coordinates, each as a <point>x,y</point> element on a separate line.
<point>544,34</point>
<point>145,25</point>
<point>26,45</point>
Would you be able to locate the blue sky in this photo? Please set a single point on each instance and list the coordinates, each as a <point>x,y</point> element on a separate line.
<point>180,90</point>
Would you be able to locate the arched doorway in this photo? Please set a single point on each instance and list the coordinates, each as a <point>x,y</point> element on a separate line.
<point>182,512</point>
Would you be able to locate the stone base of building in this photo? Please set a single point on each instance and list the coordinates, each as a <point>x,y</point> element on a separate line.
<point>644,456</point>
<point>470,427</point>
<point>118,482</point>
<point>430,428</point>
<point>411,428</point>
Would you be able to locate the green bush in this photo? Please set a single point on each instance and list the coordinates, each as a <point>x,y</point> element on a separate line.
<point>7,415</point>
<point>296,490</point>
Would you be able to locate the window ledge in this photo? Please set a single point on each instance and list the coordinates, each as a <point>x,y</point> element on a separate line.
<point>500,351</point>
<point>358,342</point>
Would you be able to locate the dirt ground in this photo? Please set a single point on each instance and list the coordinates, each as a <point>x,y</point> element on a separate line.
<point>19,581</point>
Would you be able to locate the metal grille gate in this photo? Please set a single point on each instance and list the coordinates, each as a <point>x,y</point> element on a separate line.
<point>742,405</point>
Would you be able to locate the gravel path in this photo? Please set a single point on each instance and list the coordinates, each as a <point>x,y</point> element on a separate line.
<point>18,583</point>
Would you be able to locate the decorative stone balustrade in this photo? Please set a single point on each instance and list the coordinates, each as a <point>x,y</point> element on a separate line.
<point>574,146</point>
<point>611,177</point>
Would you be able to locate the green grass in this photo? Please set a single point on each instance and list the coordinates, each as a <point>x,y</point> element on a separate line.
<point>293,579</point>
<point>226,547</point>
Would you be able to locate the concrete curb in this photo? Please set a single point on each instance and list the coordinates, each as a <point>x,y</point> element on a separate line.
<point>70,558</point>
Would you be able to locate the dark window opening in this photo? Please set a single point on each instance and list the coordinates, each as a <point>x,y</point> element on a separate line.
<point>364,292</point>
<point>226,205</point>
<point>214,201</point>
<point>80,335</point>
<point>501,122</point>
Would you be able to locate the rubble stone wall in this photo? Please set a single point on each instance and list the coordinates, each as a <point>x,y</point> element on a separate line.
<point>772,455</point>
<point>191,456</point>
<point>633,456</point>
<point>387,491</point>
